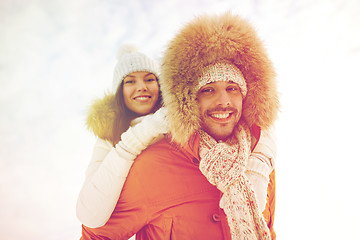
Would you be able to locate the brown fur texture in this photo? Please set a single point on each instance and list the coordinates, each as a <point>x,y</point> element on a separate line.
<point>206,40</point>
<point>101,117</point>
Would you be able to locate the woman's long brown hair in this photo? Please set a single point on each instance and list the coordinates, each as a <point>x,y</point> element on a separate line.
<point>124,116</point>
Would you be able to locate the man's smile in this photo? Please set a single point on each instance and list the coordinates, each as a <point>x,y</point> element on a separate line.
<point>221,116</point>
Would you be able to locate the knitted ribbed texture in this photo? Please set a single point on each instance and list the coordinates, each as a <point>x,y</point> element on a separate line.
<point>130,61</point>
<point>222,71</point>
<point>223,164</point>
<point>257,171</point>
<point>138,137</point>
<point>257,165</point>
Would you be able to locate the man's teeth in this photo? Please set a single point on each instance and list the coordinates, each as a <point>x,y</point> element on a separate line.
<point>221,116</point>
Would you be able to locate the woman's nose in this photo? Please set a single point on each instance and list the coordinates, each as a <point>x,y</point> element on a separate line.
<point>141,86</point>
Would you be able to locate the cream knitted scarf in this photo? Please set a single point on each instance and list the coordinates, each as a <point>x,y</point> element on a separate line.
<point>223,164</point>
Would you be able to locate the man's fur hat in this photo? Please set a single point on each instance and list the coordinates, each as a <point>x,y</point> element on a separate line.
<point>206,40</point>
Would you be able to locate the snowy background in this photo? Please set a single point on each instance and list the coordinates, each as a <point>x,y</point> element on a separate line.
<point>56,56</point>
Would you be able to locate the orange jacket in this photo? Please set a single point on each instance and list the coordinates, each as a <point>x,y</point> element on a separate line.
<point>167,197</point>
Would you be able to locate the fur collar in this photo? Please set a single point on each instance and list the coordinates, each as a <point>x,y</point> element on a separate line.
<point>101,115</point>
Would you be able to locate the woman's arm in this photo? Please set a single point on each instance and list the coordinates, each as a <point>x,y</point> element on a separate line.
<point>260,165</point>
<point>105,177</point>
<point>109,168</point>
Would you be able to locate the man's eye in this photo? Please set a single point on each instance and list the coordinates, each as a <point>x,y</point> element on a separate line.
<point>150,80</point>
<point>206,90</point>
<point>232,88</point>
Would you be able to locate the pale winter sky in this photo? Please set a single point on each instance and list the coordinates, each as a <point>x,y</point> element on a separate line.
<point>58,55</point>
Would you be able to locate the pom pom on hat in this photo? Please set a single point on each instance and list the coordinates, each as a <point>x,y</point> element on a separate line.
<point>131,60</point>
<point>126,49</point>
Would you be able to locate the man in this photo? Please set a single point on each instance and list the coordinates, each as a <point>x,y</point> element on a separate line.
<point>199,182</point>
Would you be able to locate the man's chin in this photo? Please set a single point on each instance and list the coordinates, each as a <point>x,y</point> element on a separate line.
<point>220,132</point>
<point>220,136</point>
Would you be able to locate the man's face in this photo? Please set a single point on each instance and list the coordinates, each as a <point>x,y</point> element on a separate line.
<point>220,105</point>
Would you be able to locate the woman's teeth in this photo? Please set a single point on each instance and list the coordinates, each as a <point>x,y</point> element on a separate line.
<point>142,98</point>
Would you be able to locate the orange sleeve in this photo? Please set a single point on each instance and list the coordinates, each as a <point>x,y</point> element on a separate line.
<point>269,212</point>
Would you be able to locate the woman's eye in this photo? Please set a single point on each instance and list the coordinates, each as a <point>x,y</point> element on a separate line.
<point>129,81</point>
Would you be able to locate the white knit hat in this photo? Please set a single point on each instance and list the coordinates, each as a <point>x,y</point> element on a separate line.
<point>131,60</point>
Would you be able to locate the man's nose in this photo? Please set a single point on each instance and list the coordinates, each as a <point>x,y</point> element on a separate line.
<point>223,98</point>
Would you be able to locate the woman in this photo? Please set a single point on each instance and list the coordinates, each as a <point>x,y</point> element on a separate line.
<point>136,94</point>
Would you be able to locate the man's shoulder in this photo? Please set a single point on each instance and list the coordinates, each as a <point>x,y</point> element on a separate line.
<point>162,146</point>
<point>162,152</point>
<point>161,149</point>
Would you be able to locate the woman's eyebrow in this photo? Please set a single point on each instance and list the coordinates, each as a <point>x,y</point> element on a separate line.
<point>149,74</point>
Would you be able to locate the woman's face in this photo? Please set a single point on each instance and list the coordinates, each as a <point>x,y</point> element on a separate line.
<point>141,92</point>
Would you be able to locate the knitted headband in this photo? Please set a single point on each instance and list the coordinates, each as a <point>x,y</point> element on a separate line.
<point>131,60</point>
<point>222,71</point>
